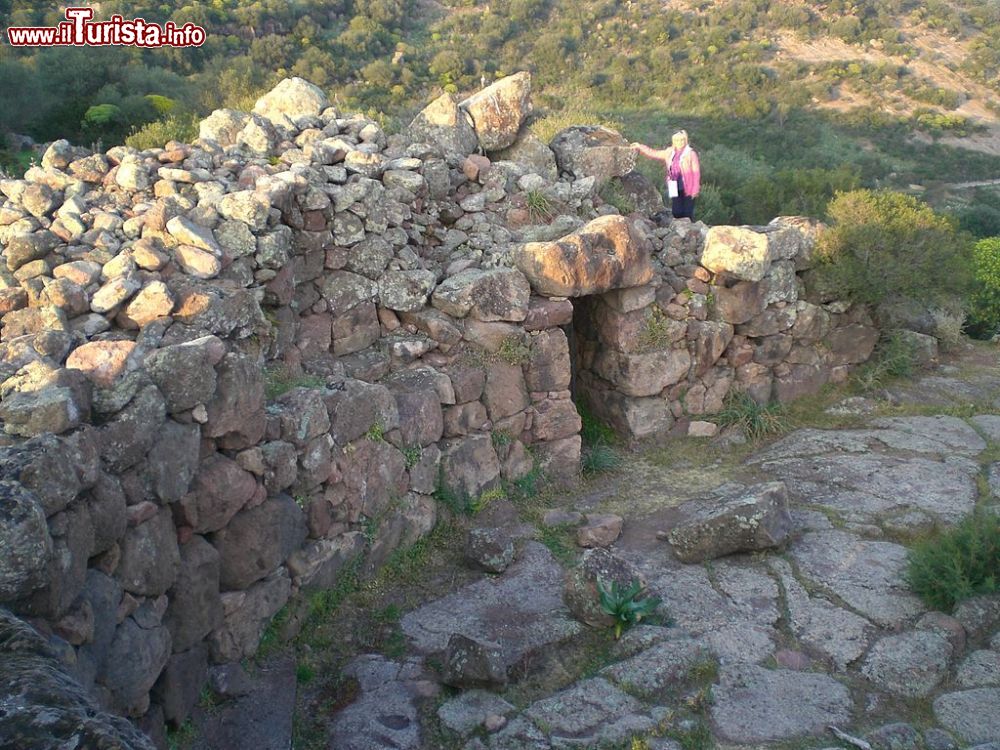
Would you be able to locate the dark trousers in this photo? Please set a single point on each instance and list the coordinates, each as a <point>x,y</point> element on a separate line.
<point>682,207</point>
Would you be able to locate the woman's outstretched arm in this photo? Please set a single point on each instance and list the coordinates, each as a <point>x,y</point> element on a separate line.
<point>651,153</point>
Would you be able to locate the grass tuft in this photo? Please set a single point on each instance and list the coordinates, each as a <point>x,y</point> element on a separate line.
<point>600,458</point>
<point>278,381</point>
<point>893,358</point>
<point>539,206</point>
<point>755,421</point>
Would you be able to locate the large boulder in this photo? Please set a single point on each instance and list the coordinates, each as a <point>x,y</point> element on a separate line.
<point>469,466</point>
<point>137,655</point>
<point>580,592</point>
<point>637,193</point>
<point>406,291</point>
<point>740,252</point>
<point>737,519</point>
<point>498,110</point>
<point>644,374</point>
<point>292,98</point>
<point>441,123</point>
<point>473,663</point>
<point>43,706</point>
<point>222,126</point>
<point>149,556</point>
<point>195,607</point>
<point>593,151</point>
<point>246,614</point>
<point>606,253</point>
<point>532,153</point>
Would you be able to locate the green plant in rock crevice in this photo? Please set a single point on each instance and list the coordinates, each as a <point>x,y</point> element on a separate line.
<point>893,358</point>
<point>376,432</point>
<point>625,605</point>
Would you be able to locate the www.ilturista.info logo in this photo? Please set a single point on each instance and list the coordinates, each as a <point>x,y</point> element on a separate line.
<point>79,31</point>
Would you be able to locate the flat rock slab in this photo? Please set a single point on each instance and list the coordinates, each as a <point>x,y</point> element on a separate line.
<point>659,670</point>
<point>468,711</point>
<point>836,634</point>
<point>264,714</point>
<point>591,713</point>
<point>979,669</point>
<point>866,575</point>
<point>944,390</point>
<point>941,436</point>
<point>753,704</point>
<point>882,487</point>
<point>737,625</point>
<point>989,425</point>
<point>908,664</point>
<point>522,610</point>
<point>956,433</point>
<point>973,715</point>
<point>385,714</point>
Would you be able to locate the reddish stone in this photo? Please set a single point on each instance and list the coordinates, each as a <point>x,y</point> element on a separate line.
<point>102,362</point>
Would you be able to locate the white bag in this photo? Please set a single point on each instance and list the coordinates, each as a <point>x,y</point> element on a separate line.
<point>672,190</point>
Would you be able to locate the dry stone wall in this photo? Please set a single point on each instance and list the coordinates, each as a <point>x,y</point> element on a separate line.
<point>228,369</point>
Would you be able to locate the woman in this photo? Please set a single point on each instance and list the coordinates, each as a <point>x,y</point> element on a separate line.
<point>683,173</point>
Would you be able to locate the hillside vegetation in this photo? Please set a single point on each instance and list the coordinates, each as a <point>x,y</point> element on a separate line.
<point>788,101</point>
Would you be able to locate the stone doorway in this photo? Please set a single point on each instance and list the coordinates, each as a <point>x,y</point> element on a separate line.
<point>622,359</point>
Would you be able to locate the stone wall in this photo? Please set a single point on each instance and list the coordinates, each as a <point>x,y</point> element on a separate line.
<point>231,368</point>
<point>724,309</point>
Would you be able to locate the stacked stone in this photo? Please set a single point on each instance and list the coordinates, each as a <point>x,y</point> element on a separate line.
<point>716,311</point>
<point>417,287</point>
<point>163,510</point>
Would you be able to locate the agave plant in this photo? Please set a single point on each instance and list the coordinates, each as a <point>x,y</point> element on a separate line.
<point>626,605</point>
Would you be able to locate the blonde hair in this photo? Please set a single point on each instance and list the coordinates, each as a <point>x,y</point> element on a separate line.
<point>680,134</point>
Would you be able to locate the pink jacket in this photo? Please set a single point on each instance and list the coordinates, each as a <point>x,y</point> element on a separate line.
<point>690,169</point>
<point>690,166</point>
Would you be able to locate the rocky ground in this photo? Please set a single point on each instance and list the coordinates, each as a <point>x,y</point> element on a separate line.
<point>763,650</point>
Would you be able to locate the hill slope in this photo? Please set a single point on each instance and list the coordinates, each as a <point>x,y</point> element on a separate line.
<point>898,92</point>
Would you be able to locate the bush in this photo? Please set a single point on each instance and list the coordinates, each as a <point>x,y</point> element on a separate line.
<point>957,563</point>
<point>984,302</point>
<point>183,128</point>
<point>885,245</point>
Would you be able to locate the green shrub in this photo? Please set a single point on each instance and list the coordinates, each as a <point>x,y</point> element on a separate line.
<point>754,420</point>
<point>957,563</point>
<point>984,302</point>
<point>156,134</point>
<point>711,207</point>
<point>885,245</point>
<point>279,380</point>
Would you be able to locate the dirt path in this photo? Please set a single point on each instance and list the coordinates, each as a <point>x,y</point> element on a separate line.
<point>968,185</point>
